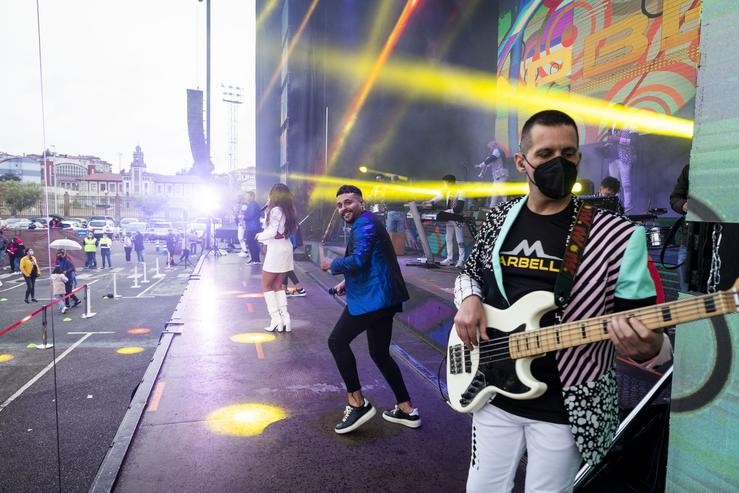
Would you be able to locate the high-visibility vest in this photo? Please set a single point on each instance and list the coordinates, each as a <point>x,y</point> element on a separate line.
<point>90,245</point>
<point>105,242</point>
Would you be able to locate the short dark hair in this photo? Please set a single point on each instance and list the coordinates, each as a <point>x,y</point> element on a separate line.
<point>449,178</point>
<point>348,189</point>
<point>611,183</point>
<point>548,118</point>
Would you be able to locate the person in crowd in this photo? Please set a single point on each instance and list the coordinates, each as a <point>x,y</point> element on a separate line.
<point>127,245</point>
<point>4,242</point>
<point>30,270</point>
<point>58,290</point>
<point>16,249</point>
<point>185,247</point>
<point>281,223</point>
<point>138,246</point>
<point>576,417</point>
<point>252,227</point>
<point>105,244</point>
<point>194,239</point>
<point>375,292</point>
<point>65,263</point>
<point>679,204</point>
<point>90,248</point>
<point>452,200</point>
<point>171,246</point>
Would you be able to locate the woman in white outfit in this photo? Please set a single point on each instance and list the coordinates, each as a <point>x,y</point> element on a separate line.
<point>278,261</point>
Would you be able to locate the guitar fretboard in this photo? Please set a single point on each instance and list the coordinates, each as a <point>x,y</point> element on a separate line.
<point>534,342</point>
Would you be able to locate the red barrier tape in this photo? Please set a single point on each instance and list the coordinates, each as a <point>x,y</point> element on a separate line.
<point>33,314</point>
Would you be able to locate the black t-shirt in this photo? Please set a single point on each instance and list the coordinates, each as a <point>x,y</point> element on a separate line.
<point>530,258</point>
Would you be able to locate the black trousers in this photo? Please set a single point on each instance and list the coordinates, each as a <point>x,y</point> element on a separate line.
<point>30,286</point>
<point>379,327</point>
<point>68,289</point>
<point>252,244</point>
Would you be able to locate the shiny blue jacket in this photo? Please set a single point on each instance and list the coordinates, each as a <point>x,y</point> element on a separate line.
<point>370,268</point>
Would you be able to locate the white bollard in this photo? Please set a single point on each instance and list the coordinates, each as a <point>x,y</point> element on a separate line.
<point>158,274</point>
<point>146,279</point>
<point>136,276</point>
<point>115,286</point>
<point>88,303</point>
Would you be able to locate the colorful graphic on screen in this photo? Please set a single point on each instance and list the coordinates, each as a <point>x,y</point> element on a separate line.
<point>640,53</point>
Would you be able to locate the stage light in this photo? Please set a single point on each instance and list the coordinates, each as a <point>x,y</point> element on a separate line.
<point>577,187</point>
<point>209,202</point>
<point>363,169</point>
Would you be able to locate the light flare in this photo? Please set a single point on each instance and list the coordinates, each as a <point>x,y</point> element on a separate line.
<point>244,420</point>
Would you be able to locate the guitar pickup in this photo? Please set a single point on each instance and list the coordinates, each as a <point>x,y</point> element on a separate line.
<point>456,359</point>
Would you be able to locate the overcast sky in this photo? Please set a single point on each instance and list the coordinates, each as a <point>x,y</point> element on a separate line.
<point>115,76</point>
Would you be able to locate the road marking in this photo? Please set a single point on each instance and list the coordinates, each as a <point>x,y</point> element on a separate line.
<point>250,307</point>
<point>90,333</point>
<point>43,372</point>
<point>260,351</point>
<point>156,396</point>
<point>145,290</point>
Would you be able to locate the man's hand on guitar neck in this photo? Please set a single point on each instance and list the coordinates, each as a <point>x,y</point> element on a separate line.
<point>633,339</point>
<point>470,321</point>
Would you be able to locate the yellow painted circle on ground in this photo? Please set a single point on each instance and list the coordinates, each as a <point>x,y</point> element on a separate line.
<point>129,350</point>
<point>139,330</point>
<point>6,357</point>
<point>244,420</point>
<point>252,337</point>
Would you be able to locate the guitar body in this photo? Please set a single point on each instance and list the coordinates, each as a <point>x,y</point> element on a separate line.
<point>475,376</point>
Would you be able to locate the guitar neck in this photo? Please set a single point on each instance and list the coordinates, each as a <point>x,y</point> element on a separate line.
<point>534,342</point>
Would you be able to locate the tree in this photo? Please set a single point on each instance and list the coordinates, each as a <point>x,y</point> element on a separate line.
<point>19,196</point>
<point>151,204</point>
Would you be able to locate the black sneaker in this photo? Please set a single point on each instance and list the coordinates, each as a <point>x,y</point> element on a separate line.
<point>354,417</point>
<point>299,293</point>
<point>411,420</point>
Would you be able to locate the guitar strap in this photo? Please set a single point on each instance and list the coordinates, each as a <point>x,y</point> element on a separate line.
<point>573,254</point>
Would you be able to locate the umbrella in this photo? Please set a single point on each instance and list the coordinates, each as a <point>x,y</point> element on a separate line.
<point>65,243</point>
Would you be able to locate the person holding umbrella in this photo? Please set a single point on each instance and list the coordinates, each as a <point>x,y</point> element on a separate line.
<point>30,270</point>
<point>65,263</point>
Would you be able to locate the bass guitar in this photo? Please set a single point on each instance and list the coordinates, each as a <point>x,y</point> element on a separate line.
<point>502,365</point>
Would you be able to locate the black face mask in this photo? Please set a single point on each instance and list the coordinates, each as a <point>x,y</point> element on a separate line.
<point>556,177</point>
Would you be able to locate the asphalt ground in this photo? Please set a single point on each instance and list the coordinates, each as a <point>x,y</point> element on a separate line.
<point>229,414</point>
<point>93,381</point>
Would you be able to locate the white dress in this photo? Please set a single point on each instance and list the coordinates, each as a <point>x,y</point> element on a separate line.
<point>279,257</point>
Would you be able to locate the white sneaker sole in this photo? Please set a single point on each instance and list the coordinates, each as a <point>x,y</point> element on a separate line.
<point>368,415</point>
<point>404,422</point>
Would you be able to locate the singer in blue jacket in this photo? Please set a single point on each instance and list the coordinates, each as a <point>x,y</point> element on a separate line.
<point>375,292</point>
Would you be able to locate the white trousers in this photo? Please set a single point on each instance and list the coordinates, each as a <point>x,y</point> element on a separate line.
<point>454,230</point>
<point>499,439</point>
<point>240,235</point>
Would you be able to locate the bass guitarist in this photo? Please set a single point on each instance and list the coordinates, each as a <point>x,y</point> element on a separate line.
<point>520,250</point>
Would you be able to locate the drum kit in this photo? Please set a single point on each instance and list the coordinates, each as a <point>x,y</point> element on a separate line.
<point>657,235</point>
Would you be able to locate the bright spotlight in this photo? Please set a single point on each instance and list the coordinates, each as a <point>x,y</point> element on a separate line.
<point>210,201</point>
<point>363,169</point>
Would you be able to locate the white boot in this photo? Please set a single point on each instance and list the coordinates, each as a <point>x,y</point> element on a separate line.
<point>460,262</point>
<point>275,324</point>
<point>282,304</point>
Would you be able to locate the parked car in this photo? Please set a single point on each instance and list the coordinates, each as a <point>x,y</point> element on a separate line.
<point>24,223</point>
<point>101,226</point>
<point>128,220</point>
<point>134,227</point>
<point>158,230</point>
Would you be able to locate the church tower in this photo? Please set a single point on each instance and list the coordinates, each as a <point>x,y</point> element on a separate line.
<point>137,171</point>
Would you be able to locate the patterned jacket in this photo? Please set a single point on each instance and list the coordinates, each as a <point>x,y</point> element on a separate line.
<point>613,266</point>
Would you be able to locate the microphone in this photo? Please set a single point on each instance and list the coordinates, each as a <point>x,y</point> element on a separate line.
<point>264,208</point>
<point>332,291</point>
